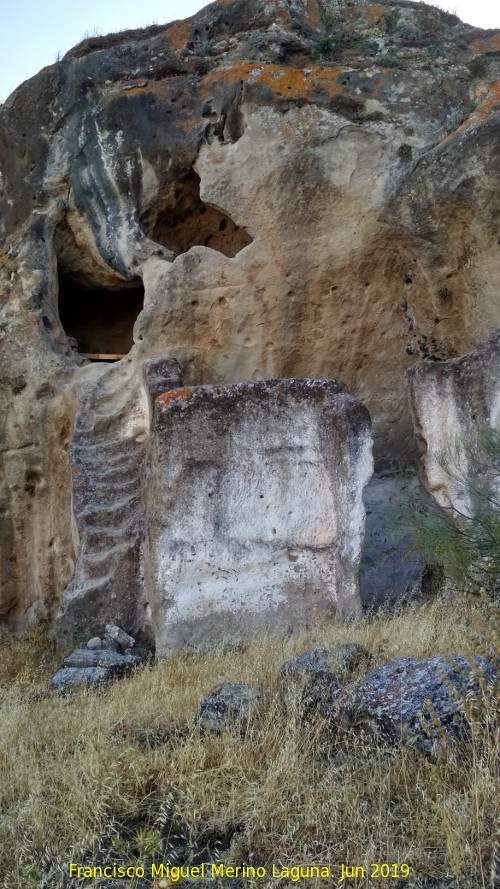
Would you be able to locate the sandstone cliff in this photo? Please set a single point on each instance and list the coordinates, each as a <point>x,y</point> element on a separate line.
<point>267,189</point>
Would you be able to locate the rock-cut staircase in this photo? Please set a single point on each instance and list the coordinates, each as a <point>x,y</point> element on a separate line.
<point>108,452</point>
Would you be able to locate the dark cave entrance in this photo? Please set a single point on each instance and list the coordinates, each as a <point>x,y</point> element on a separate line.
<point>100,321</point>
<point>186,221</point>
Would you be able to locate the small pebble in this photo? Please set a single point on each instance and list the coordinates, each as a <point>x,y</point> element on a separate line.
<point>94,643</point>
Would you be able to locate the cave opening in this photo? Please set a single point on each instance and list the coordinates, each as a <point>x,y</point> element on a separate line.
<point>186,221</point>
<point>99,323</point>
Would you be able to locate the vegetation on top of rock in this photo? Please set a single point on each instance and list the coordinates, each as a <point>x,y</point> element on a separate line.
<point>106,41</point>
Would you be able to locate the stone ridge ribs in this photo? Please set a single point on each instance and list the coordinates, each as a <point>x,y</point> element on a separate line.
<point>106,464</point>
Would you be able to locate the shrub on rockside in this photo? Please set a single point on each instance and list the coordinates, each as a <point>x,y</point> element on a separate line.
<point>467,544</point>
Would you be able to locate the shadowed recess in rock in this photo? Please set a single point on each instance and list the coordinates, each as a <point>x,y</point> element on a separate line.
<point>101,321</point>
<point>186,221</point>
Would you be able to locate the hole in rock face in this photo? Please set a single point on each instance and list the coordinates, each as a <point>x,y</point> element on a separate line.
<point>186,221</point>
<point>101,321</point>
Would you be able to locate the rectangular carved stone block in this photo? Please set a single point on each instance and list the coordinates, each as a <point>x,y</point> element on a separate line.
<point>255,513</point>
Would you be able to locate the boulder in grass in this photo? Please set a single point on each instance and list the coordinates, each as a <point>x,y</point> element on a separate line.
<point>227,703</point>
<point>348,655</point>
<point>399,700</point>
<point>342,657</point>
<point>69,677</point>
<point>306,664</point>
<point>314,675</point>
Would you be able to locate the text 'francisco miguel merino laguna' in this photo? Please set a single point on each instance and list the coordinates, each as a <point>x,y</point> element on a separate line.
<point>171,874</point>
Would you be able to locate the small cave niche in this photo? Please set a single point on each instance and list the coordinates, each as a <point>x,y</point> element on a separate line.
<point>186,221</point>
<point>99,323</point>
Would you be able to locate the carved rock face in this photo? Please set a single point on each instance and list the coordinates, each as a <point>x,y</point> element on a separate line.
<point>456,406</point>
<point>261,191</point>
<point>255,514</point>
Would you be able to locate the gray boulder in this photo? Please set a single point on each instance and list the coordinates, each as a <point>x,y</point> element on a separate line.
<point>70,677</point>
<point>227,703</point>
<point>310,662</point>
<point>341,657</point>
<point>398,700</point>
<point>315,674</point>
<point>109,644</point>
<point>95,643</point>
<point>348,655</point>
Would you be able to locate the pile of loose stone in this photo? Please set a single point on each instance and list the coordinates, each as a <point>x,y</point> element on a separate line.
<point>110,657</point>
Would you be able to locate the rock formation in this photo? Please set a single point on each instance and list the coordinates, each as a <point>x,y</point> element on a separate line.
<point>265,190</point>
<point>456,407</point>
<point>108,457</point>
<point>255,514</point>
<point>388,574</point>
<point>418,701</point>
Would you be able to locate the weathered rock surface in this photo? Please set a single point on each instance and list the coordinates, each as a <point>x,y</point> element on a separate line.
<point>255,517</point>
<point>229,703</point>
<point>85,657</point>
<point>71,677</point>
<point>92,667</point>
<point>389,572</point>
<point>262,191</point>
<point>108,454</point>
<point>455,403</point>
<point>342,657</point>
<point>393,700</point>
<point>123,640</point>
<point>313,676</point>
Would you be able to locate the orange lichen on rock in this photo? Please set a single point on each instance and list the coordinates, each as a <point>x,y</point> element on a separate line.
<point>160,88</point>
<point>373,13</point>
<point>312,12</point>
<point>488,44</point>
<point>181,396</point>
<point>287,83</point>
<point>490,105</point>
<point>280,13</point>
<point>179,33</point>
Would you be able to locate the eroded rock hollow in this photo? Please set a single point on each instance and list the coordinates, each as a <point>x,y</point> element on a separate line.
<point>265,190</point>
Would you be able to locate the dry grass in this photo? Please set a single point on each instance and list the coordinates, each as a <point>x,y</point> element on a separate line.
<point>88,771</point>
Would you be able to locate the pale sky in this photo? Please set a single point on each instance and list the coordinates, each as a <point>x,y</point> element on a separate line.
<point>32,32</point>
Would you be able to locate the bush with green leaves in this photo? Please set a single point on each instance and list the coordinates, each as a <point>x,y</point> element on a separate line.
<point>324,45</point>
